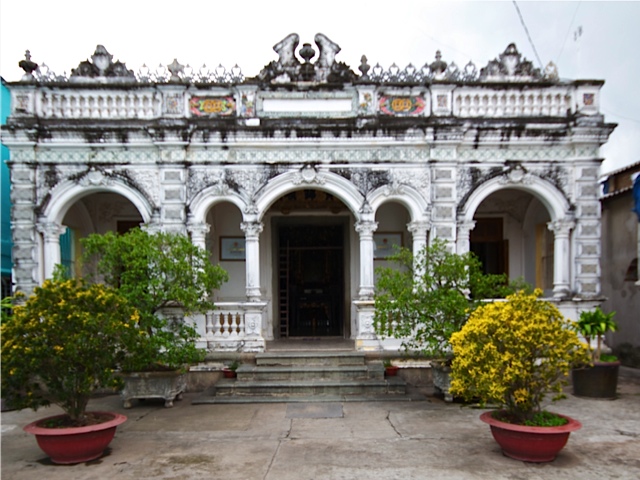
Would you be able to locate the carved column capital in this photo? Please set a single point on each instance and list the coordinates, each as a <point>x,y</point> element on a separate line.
<point>252,229</point>
<point>562,227</point>
<point>465,227</point>
<point>50,230</point>
<point>366,228</point>
<point>419,227</point>
<point>199,229</point>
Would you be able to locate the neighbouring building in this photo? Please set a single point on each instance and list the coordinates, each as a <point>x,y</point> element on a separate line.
<point>5,199</point>
<point>620,252</point>
<point>300,180</point>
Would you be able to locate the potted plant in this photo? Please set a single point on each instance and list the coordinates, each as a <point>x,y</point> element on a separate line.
<point>390,370</point>
<point>230,371</point>
<point>167,278</point>
<point>58,347</point>
<point>599,379</point>
<point>512,354</point>
<point>425,299</point>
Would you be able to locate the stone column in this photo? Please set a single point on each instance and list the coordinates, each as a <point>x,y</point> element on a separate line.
<point>252,232</point>
<point>198,232</point>
<point>561,256</point>
<point>463,243</point>
<point>418,230</point>
<point>366,228</point>
<point>51,232</point>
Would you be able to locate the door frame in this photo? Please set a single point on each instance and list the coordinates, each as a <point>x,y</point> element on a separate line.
<point>312,220</point>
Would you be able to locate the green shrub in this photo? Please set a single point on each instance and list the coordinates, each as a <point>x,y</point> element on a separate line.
<point>65,341</point>
<point>424,300</point>
<point>513,353</point>
<point>155,271</point>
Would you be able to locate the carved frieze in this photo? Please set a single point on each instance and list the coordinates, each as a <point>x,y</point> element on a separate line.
<point>147,181</point>
<point>246,181</point>
<point>308,175</point>
<point>200,179</point>
<point>468,154</point>
<point>367,180</point>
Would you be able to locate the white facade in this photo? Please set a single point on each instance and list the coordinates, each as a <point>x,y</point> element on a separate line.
<point>297,180</point>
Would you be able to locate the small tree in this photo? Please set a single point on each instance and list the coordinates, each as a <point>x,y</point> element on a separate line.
<point>154,271</point>
<point>512,353</point>
<point>596,323</point>
<point>426,299</point>
<point>64,342</point>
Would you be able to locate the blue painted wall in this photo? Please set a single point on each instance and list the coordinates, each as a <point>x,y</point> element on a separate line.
<point>5,104</point>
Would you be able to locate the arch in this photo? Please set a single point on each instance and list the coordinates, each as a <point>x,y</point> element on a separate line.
<point>412,200</point>
<point>63,196</point>
<point>210,196</point>
<point>553,200</point>
<point>329,182</point>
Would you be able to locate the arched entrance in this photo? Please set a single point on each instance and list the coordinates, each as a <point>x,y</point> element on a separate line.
<point>98,212</point>
<point>511,236</point>
<point>310,238</point>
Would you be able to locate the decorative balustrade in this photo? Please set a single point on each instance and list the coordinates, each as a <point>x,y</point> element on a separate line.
<point>509,103</point>
<point>225,326</point>
<point>100,104</point>
<point>146,104</point>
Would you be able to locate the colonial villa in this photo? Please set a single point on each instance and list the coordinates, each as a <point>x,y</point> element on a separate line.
<point>299,181</point>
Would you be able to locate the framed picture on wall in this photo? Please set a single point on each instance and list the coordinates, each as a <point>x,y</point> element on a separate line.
<point>385,244</point>
<point>232,249</point>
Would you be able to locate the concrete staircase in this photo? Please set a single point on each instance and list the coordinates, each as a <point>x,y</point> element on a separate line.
<point>317,376</point>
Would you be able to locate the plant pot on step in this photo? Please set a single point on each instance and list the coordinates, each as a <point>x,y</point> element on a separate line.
<point>597,381</point>
<point>228,373</point>
<point>391,371</point>
<point>75,444</point>
<point>530,444</point>
<point>167,385</point>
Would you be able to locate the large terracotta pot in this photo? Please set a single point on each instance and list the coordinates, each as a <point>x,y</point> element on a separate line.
<point>530,444</point>
<point>598,381</point>
<point>75,444</point>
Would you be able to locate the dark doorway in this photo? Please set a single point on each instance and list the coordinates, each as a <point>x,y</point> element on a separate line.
<point>311,280</point>
<point>490,247</point>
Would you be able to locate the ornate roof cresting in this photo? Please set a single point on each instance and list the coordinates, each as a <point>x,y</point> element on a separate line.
<point>294,65</point>
<point>102,65</point>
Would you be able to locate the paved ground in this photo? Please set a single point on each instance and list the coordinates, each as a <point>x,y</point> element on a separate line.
<point>386,440</point>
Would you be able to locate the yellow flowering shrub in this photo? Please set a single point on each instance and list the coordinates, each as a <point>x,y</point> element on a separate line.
<point>62,343</point>
<point>514,353</point>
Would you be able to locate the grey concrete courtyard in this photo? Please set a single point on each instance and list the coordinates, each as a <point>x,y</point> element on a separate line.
<point>426,439</point>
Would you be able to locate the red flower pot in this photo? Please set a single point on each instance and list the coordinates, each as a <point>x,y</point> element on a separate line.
<point>75,444</point>
<point>530,444</point>
<point>228,373</point>
<point>391,371</point>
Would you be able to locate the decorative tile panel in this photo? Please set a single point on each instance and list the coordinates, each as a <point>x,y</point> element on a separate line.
<point>401,106</point>
<point>212,106</point>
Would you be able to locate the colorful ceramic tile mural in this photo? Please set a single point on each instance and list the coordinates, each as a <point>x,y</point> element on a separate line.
<point>212,106</point>
<point>401,105</point>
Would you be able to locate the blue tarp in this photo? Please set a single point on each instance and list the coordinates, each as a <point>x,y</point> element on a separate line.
<point>6,188</point>
<point>636,196</point>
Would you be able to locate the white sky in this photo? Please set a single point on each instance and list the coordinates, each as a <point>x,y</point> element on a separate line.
<point>62,33</point>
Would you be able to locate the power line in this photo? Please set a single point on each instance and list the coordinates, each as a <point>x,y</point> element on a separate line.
<point>568,33</point>
<point>609,112</point>
<point>527,32</point>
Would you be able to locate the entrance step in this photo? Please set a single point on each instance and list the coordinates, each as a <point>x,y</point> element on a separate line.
<point>309,372</point>
<point>287,358</point>
<point>294,376</point>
